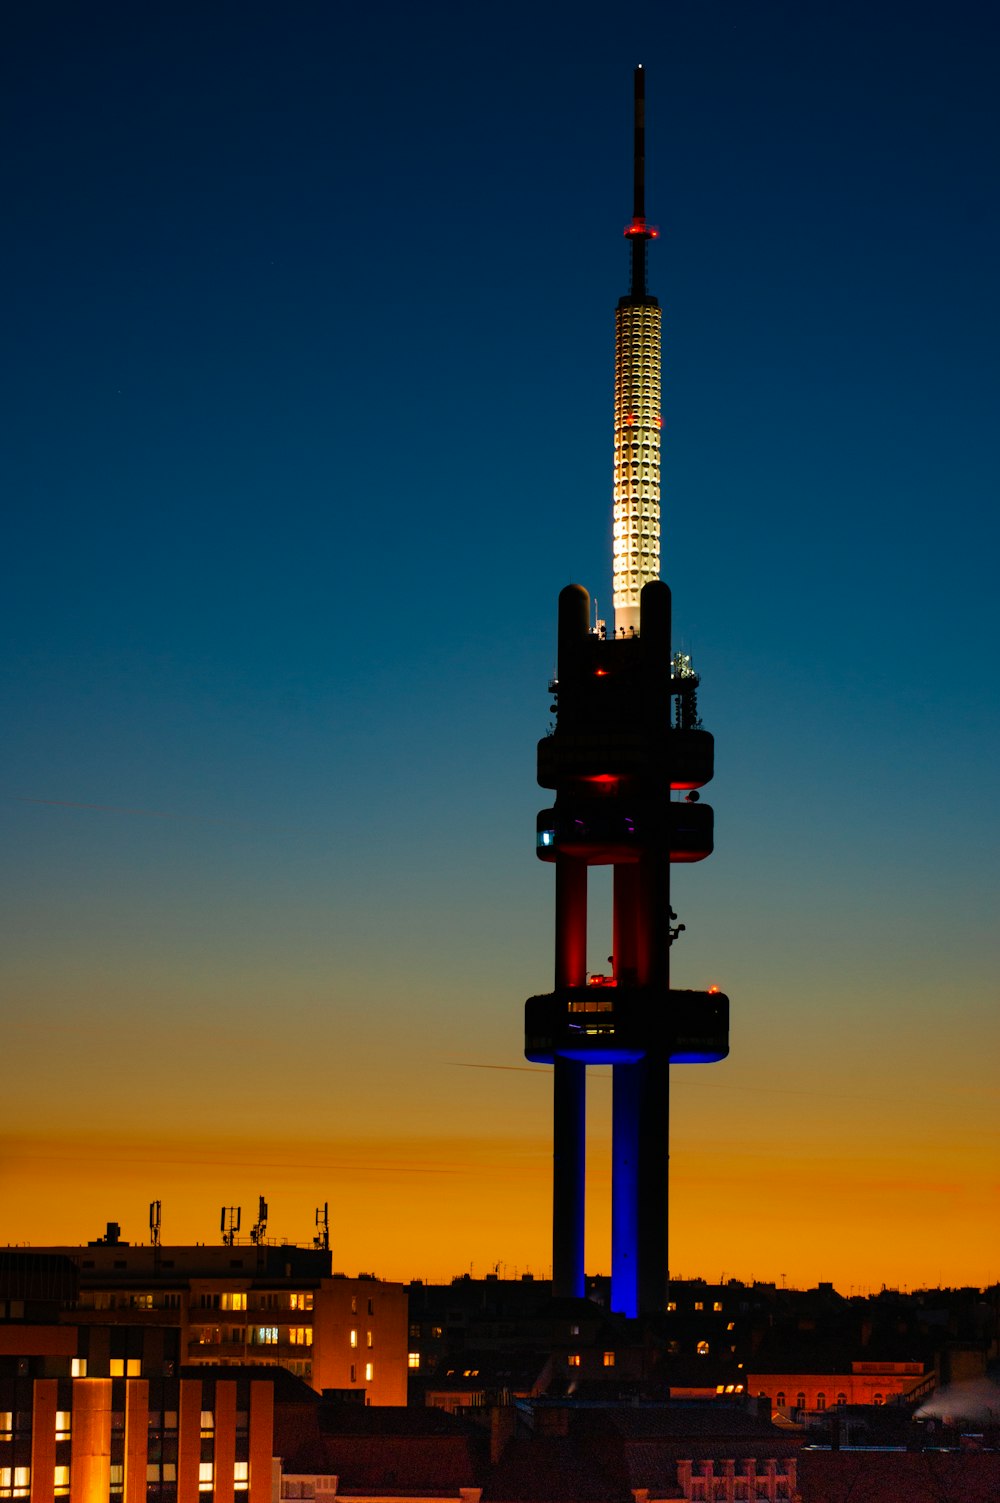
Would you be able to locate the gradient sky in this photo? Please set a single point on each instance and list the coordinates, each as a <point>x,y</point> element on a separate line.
<point>308,396</point>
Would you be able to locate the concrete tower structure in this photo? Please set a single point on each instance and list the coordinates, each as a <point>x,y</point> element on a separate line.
<point>627,737</point>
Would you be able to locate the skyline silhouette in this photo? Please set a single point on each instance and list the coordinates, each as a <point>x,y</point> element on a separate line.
<point>310,363</point>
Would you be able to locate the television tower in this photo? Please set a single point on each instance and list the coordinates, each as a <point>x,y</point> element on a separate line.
<point>626,734</point>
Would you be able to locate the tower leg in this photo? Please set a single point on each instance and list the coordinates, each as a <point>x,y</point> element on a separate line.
<point>653,1114</point>
<point>569,1093</point>
<point>652,1081</point>
<point>569,1128</point>
<point>624,1111</point>
<point>625,1189</point>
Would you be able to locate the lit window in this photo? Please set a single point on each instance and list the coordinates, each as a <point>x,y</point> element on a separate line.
<point>133,1367</point>
<point>6,1425</point>
<point>573,1360</point>
<point>731,1325</point>
<point>207,1424</point>
<point>78,1367</point>
<point>699,1304</point>
<point>671,1307</point>
<point>609,1359</point>
<point>60,1482</point>
<point>717,1306</point>
<point>436,1333</point>
<point>703,1349</point>
<point>22,1482</point>
<point>116,1367</point>
<point>300,1302</point>
<point>369,1371</point>
<point>300,1335</point>
<point>205,1470</point>
<point>354,1338</point>
<point>63,1424</point>
<point>267,1335</point>
<point>413,1359</point>
<point>368,1339</point>
<point>170,1419</point>
<point>241,1476</point>
<point>234,1300</point>
<point>354,1304</point>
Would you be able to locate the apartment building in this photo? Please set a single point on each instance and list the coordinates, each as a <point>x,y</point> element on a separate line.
<point>241,1305</point>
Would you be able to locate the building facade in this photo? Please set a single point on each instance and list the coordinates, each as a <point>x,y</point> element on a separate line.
<point>241,1305</point>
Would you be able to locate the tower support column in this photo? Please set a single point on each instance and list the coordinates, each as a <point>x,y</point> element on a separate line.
<point>625,1189</point>
<point>652,1182</point>
<point>624,1110</point>
<point>569,1153</point>
<point>569,1093</point>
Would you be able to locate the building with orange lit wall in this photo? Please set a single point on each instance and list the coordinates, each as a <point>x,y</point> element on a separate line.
<point>865,1383</point>
<point>244,1305</point>
<point>179,1440</point>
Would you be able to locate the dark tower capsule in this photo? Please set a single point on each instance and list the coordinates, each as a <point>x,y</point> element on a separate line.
<point>626,735</point>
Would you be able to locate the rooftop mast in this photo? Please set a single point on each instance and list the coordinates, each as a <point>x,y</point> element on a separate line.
<point>637,231</point>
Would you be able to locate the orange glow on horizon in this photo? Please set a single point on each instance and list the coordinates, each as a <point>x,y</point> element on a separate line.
<point>846,1213</point>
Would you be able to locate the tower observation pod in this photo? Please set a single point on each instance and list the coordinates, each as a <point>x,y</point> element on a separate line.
<point>624,758</point>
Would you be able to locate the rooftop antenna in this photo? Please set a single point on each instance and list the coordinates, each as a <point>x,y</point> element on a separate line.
<point>322,1237</point>
<point>154,1223</point>
<point>230,1224</point>
<point>260,1225</point>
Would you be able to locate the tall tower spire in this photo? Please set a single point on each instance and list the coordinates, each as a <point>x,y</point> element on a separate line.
<point>626,738</point>
<point>638,421</point>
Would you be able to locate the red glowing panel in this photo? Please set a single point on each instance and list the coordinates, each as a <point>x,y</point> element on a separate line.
<point>600,673</point>
<point>630,418</point>
<point>639,227</point>
<point>601,777</point>
<point>713,989</point>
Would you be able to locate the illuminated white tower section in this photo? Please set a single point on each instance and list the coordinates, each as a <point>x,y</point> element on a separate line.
<point>638,422</point>
<point>638,419</point>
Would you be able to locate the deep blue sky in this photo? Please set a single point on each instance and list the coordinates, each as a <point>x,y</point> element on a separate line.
<point>308,396</point>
